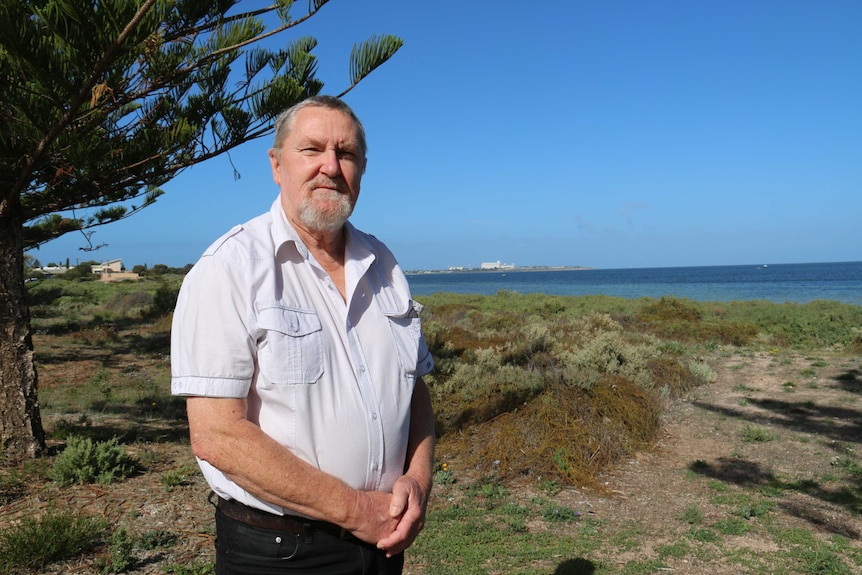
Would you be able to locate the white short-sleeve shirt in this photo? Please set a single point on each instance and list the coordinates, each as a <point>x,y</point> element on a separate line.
<point>332,381</point>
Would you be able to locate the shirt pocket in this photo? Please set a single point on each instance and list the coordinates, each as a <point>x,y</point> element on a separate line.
<point>407,332</point>
<point>292,351</point>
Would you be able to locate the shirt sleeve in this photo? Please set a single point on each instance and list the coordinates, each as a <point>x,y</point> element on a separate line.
<point>425,363</point>
<point>212,350</point>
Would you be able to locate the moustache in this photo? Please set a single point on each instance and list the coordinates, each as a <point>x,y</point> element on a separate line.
<point>328,183</point>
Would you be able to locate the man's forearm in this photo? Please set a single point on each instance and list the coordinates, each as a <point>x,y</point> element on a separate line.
<point>420,446</point>
<point>222,437</point>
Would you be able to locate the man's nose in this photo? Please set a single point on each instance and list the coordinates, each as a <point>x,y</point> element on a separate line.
<point>329,163</point>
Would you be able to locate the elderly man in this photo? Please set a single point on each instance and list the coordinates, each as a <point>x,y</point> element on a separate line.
<point>299,348</point>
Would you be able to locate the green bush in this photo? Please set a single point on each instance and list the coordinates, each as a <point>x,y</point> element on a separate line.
<point>702,371</point>
<point>165,298</point>
<point>119,558</point>
<point>84,461</point>
<point>36,542</point>
<point>609,353</point>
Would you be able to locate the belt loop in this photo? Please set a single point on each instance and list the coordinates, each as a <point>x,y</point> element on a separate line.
<point>307,532</point>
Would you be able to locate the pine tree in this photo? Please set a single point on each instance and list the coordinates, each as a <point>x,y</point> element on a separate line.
<point>105,102</point>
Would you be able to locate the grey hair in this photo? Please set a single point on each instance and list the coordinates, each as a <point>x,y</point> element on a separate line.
<point>284,121</point>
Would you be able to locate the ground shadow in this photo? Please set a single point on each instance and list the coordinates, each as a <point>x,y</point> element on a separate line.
<point>839,427</point>
<point>752,475</point>
<point>836,423</point>
<point>850,381</point>
<point>577,566</point>
<point>154,420</point>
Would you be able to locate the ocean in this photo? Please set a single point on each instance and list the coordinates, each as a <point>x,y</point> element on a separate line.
<point>780,283</point>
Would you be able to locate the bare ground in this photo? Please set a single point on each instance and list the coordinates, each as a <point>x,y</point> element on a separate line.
<point>783,421</point>
<point>808,420</point>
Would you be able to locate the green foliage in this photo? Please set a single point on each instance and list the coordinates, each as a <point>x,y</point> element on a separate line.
<point>702,371</point>
<point>823,561</point>
<point>119,557</point>
<point>732,526</point>
<point>85,461</point>
<point>38,541</point>
<point>108,105</point>
<point>54,302</point>
<point>692,515</point>
<point>155,539</point>
<point>172,479</point>
<point>468,537</point>
<point>755,509</point>
<point>608,353</point>
<point>193,568</point>
<point>165,298</point>
<point>757,434</point>
<point>815,325</point>
<point>560,514</point>
<point>497,344</point>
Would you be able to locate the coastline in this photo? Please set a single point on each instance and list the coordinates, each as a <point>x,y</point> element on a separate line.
<point>501,270</point>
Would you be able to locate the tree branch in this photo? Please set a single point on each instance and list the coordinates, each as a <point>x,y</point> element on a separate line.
<point>30,160</point>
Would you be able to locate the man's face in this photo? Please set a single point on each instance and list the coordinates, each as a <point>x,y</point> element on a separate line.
<point>319,168</point>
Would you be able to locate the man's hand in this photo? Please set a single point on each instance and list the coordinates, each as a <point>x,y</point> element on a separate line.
<point>407,506</point>
<point>370,519</point>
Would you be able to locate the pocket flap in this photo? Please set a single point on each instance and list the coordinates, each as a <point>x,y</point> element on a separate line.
<point>289,321</point>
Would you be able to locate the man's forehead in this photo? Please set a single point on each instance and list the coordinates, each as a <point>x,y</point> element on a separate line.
<point>320,121</point>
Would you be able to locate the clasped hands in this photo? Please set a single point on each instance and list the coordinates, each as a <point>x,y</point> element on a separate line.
<point>391,521</point>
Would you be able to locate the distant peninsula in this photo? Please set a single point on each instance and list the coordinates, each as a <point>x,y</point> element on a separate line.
<point>488,268</point>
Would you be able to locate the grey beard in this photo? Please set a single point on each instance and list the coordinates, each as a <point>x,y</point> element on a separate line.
<point>329,220</point>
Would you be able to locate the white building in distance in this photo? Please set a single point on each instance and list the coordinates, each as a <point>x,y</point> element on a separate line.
<point>496,266</point>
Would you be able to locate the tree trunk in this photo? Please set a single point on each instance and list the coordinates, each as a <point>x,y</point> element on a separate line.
<point>21,434</point>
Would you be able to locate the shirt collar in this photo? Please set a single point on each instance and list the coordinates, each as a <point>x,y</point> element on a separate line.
<point>357,247</point>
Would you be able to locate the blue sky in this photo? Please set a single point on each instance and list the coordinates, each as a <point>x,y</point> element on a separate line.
<point>613,134</point>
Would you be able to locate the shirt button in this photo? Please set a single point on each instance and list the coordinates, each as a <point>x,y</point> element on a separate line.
<point>361,369</point>
<point>374,416</point>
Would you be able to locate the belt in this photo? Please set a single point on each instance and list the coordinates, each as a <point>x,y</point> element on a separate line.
<point>284,523</point>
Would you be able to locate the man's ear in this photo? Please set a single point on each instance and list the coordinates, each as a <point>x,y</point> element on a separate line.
<point>274,162</point>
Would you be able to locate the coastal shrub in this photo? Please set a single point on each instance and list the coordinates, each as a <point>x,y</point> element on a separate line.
<point>478,392</point>
<point>85,461</point>
<point>671,378</point>
<point>533,340</point>
<point>558,381</point>
<point>35,542</point>
<point>669,309</point>
<point>608,353</point>
<point>595,323</point>
<point>817,324</point>
<point>702,371</point>
<point>720,332</point>
<point>565,433</point>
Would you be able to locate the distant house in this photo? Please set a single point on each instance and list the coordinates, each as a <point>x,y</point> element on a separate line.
<point>113,271</point>
<point>51,271</point>
<point>113,266</point>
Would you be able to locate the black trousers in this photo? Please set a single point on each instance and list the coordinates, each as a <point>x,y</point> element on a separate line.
<point>244,550</point>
